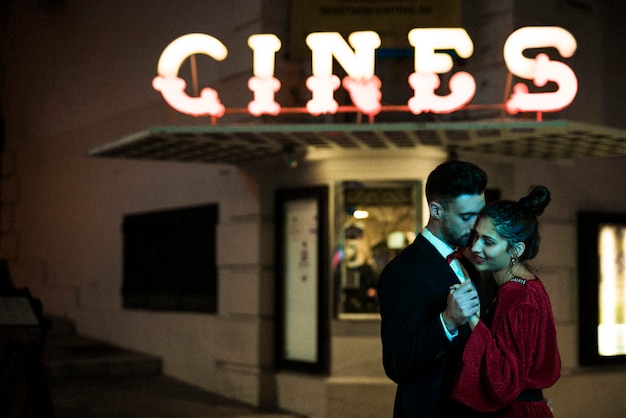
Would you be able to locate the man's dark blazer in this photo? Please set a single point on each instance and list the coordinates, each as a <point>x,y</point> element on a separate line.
<point>417,354</point>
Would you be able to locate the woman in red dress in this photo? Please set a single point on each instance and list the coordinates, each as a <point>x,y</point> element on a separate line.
<point>512,353</point>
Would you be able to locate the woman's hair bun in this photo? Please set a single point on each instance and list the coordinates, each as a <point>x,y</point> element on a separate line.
<point>537,199</point>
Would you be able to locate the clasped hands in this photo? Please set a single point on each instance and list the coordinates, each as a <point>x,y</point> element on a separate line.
<point>463,306</point>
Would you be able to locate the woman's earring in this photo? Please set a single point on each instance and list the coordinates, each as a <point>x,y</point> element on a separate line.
<point>513,261</point>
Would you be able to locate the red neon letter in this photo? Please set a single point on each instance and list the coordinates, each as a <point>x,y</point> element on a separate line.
<point>264,85</point>
<point>172,87</point>
<point>540,69</point>
<point>429,63</point>
<point>361,83</point>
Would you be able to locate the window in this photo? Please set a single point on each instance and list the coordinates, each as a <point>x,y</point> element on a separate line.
<point>602,287</point>
<point>169,260</point>
<point>374,221</point>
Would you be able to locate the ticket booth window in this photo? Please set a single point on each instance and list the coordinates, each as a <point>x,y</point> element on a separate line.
<point>374,221</point>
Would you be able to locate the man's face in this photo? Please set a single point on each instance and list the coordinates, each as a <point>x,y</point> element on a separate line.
<point>458,219</point>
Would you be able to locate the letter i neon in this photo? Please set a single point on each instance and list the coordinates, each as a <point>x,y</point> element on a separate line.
<point>263,84</point>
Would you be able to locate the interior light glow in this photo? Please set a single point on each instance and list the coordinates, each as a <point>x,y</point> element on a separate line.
<point>429,62</point>
<point>361,83</point>
<point>540,69</point>
<point>172,87</point>
<point>396,240</point>
<point>361,214</point>
<point>612,291</point>
<point>264,85</point>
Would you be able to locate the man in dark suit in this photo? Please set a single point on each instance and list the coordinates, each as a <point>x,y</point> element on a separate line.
<point>426,301</point>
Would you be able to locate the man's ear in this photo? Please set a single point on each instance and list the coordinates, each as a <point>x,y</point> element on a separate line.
<point>435,210</point>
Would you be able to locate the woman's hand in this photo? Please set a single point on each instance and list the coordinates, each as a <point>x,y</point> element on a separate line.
<point>473,321</point>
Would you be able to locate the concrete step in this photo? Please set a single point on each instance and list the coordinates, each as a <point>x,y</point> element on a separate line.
<point>69,355</point>
<point>91,378</point>
<point>143,397</point>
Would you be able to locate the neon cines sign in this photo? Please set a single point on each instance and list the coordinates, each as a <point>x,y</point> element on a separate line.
<point>357,58</point>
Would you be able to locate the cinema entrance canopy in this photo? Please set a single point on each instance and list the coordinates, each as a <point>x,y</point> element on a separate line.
<point>507,136</point>
<point>241,144</point>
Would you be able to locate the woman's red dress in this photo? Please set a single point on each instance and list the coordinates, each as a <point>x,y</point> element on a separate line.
<point>513,349</point>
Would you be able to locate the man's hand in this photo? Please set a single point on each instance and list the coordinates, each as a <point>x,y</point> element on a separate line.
<point>463,302</point>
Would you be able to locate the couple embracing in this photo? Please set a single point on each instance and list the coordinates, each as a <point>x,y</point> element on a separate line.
<point>450,351</point>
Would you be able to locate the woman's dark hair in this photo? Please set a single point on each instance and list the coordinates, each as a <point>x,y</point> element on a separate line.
<point>517,221</point>
<point>454,178</point>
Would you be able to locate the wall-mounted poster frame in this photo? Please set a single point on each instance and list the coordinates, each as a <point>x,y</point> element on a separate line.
<point>302,332</point>
<point>602,287</point>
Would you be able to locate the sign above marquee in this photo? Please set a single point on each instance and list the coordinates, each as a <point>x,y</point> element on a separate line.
<point>357,57</point>
<point>392,20</point>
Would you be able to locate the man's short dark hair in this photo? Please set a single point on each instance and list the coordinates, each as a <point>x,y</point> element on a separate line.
<point>454,178</point>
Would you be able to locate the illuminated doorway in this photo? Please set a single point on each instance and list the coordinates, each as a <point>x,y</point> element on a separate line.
<point>373,222</point>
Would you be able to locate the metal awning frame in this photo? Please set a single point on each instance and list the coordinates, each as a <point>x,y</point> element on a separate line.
<point>546,140</point>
